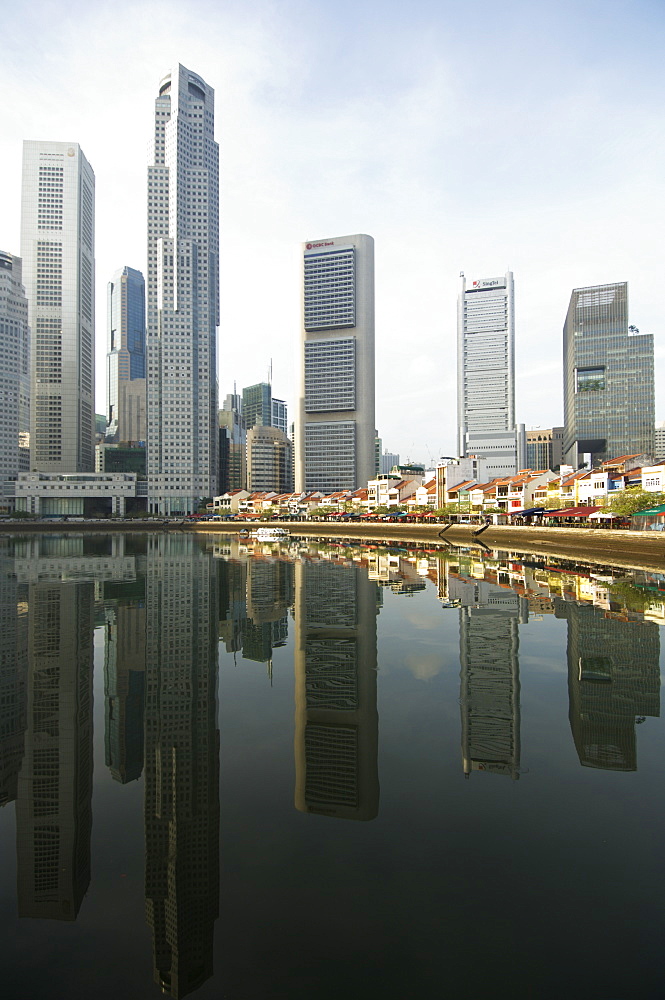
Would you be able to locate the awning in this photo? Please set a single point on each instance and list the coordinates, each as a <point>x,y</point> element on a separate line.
<point>651,512</point>
<point>603,515</point>
<point>572,512</point>
<point>525,513</point>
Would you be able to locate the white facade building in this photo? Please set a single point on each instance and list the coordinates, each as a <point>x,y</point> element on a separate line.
<point>14,375</point>
<point>486,375</point>
<point>335,429</point>
<point>182,296</point>
<point>63,494</point>
<point>57,246</point>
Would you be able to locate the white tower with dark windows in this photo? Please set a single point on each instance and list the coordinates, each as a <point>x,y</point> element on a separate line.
<point>486,375</point>
<point>15,374</point>
<point>335,425</point>
<point>58,251</point>
<point>182,296</point>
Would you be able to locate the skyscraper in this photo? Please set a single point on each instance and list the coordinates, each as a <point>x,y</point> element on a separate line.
<point>280,417</point>
<point>608,401</point>
<point>126,357</point>
<point>257,405</point>
<point>15,375</point>
<point>58,247</point>
<point>182,296</point>
<point>335,425</point>
<point>486,375</point>
<point>268,460</point>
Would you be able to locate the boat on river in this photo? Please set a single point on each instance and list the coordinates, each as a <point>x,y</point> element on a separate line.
<point>271,534</point>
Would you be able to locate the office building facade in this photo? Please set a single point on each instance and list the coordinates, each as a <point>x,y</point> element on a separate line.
<point>57,246</point>
<point>257,405</point>
<point>608,379</point>
<point>486,375</point>
<point>125,360</point>
<point>182,296</point>
<point>280,417</point>
<point>268,460</point>
<point>15,374</point>
<point>544,448</point>
<point>335,428</point>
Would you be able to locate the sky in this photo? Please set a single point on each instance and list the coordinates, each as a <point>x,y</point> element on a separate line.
<point>471,137</point>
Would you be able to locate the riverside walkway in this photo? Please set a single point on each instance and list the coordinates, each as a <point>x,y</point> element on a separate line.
<point>632,549</point>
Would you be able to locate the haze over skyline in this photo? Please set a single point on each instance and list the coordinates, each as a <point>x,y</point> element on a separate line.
<point>462,139</point>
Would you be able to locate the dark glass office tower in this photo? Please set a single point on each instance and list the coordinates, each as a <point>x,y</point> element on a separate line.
<point>608,379</point>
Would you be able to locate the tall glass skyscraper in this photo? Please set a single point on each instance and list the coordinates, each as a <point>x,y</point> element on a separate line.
<point>608,378</point>
<point>58,248</point>
<point>15,374</point>
<point>126,356</point>
<point>257,405</point>
<point>335,425</point>
<point>486,375</point>
<point>182,296</point>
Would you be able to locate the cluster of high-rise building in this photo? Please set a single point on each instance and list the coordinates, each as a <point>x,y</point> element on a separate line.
<point>163,423</point>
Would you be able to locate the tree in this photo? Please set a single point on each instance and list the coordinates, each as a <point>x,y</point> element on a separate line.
<point>626,502</point>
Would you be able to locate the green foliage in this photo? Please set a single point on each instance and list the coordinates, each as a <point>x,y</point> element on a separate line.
<point>629,501</point>
<point>624,592</point>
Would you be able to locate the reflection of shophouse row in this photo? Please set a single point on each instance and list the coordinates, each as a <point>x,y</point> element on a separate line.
<point>613,677</point>
<point>53,808</point>
<point>181,761</point>
<point>490,688</point>
<point>124,688</point>
<point>13,675</point>
<point>336,738</point>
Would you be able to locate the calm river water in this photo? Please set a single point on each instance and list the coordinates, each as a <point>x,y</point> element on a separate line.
<point>241,771</point>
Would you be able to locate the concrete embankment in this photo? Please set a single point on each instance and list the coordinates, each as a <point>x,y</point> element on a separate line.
<point>603,546</point>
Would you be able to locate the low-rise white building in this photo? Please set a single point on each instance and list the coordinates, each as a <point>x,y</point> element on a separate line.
<point>64,493</point>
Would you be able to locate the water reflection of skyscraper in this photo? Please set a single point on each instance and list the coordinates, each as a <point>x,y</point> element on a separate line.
<point>124,682</point>
<point>181,761</point>
<point>490,684</point>
<point>59,573</point>
<point>53,808</point>
<point>13,674</point>
<point>255,594</point>
<point>336,725</point>
<point>613,676</point>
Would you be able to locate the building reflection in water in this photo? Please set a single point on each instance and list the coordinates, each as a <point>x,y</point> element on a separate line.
<point>490,679</point>
<point>53,807</point>
<point>613,681</point>
<point>13,672</point>
<point>336,725</point>
<point>181,761</point>
<point>124,679</point>
<point>255,595</point>
<point>58,576</point>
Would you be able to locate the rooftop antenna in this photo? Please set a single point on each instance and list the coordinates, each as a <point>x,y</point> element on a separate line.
<point>270,373</point>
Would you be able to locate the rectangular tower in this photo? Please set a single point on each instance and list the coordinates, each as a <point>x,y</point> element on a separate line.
<point>182,296</point>
<point>57,246</point>
<point>125,359</point>
<point>608,393</point>
<point>15,374</point>
<point>486,374</point>
<point>335,425</point>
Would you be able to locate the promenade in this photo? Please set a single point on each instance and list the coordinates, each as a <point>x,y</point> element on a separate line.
<point>603,546</point>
